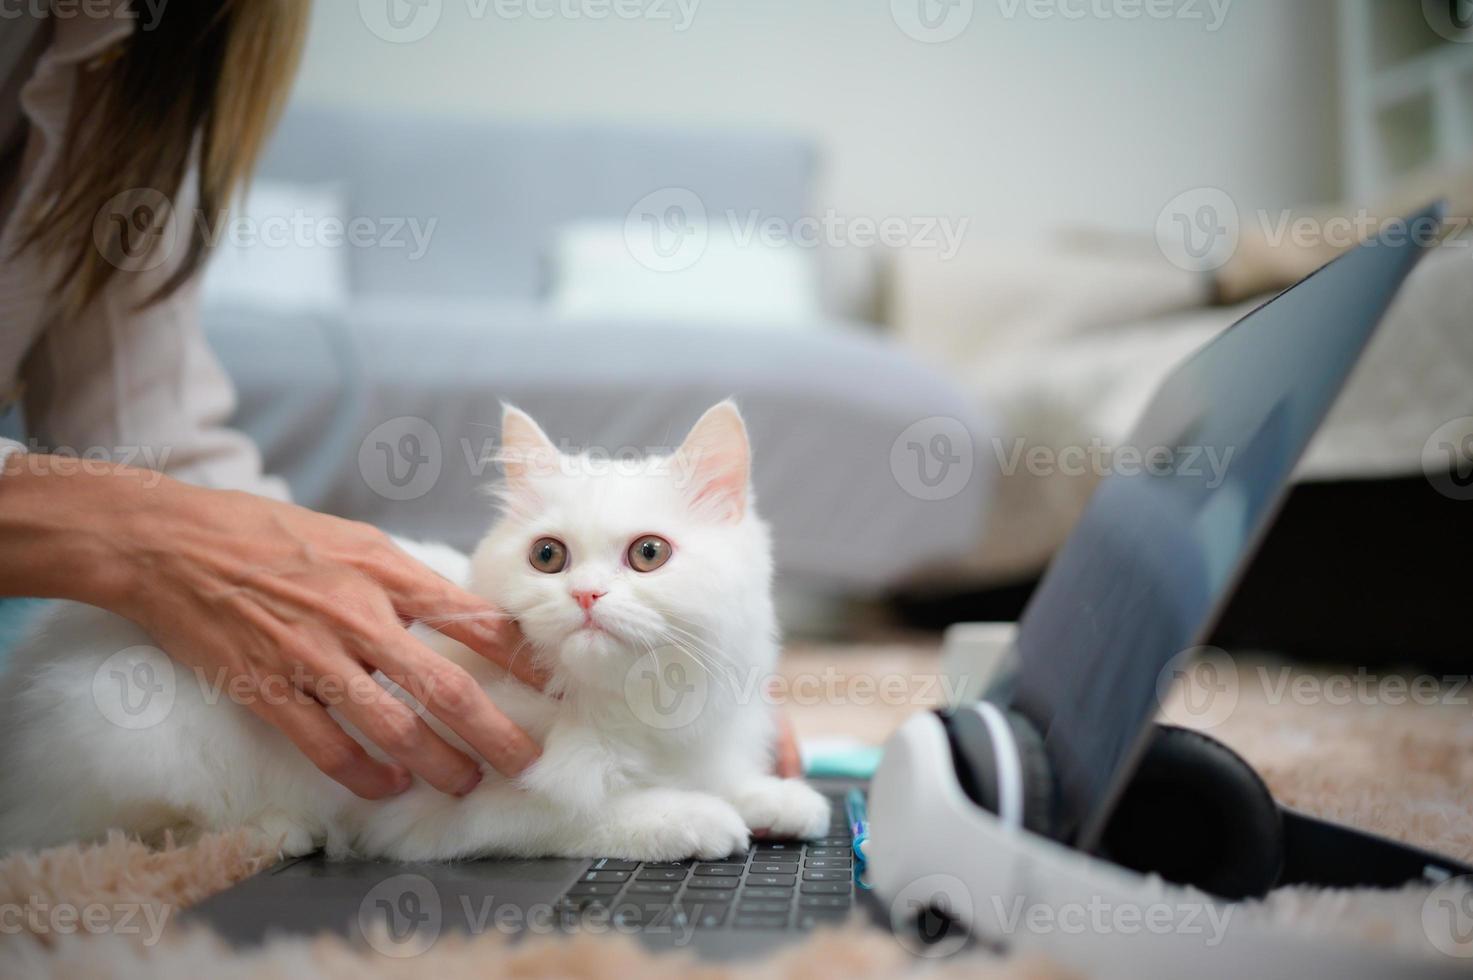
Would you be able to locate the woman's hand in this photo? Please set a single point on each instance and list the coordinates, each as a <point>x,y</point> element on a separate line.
<point>285,610</point>
<point>787,760</point>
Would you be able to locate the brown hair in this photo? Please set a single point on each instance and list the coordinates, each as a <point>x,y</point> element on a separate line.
<point>207,75</point>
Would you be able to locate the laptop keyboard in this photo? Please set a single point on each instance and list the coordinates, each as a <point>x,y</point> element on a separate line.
<point>775,884</point>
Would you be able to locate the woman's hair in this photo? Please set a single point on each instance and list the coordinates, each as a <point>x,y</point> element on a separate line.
<point>200,87</point>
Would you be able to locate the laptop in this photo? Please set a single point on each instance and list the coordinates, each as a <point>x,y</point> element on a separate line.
<point>1150,564</point>
<point>1155,556</point>
<point>775,892</point>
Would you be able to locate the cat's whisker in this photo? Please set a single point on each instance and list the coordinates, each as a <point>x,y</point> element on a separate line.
<point>433,622</point>
<point>706,646</point>
<point>659,667</point>
<point>511,658</point>
<point>697,661</point>
<point>673,622</point>
<point>710,663</point>
<point>429,622</point>
<point>649,650</point>
<point>695,642</point>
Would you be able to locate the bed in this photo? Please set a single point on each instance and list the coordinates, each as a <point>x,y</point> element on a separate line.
<point>352,360</point>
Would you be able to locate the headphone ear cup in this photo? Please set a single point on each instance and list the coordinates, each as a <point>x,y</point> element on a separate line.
<point>1040,798</point>
<point>1196,814</point>
<point>983,765</point>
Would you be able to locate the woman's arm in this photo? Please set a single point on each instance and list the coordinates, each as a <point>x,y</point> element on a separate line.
<point>297,607</point>
<point>268,592</point>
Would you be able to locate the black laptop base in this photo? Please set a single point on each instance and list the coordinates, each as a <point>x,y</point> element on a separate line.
<point>743,905</point>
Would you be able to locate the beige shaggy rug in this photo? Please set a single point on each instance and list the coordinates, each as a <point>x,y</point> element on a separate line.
<point>1364,749</point>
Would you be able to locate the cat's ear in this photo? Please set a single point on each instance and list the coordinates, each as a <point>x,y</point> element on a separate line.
<point>714,463</point>
<point>526,452</point>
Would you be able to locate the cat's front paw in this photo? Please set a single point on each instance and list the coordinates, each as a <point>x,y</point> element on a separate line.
<point>669,825</point>
<point>783,807</point>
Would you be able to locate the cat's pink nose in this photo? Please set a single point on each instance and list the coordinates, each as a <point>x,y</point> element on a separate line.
<point>587,599</point>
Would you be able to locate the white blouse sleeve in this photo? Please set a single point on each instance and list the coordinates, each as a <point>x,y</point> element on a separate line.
<point>141,386</point>
<point>130,384</point>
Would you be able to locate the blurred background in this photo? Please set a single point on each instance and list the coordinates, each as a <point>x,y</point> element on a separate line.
<point>940,250</point>
<point>1022,122</point>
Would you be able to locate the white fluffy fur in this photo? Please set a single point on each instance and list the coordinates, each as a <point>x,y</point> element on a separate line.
<point>608,783</point>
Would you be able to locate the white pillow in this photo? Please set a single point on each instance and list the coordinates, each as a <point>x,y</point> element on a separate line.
<point>283,249</point>
<point>603,269</point>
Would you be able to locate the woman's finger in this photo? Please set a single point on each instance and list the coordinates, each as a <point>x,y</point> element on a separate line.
<point>323,741</point>
<point>788,760</point>
<point>396,728</point>
<point>454,697</point>
<point>442,605</point>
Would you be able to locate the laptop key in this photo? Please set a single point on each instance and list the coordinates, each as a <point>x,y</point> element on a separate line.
<point>710,917</point>
<point>595,888</point>
<point>750,892</point>
<point>844,842</point>
<point>821,874</point>
<point>652,887</point>
<point>635,914</point>
<point>825,887</point>
<point>827,852</point>
<point>739,858</point>
<point>772,881</point>
<point>829,863</point>
<point>719,870</point>
<point>823,901</point>
<point>660,874</point>
<point>762,908</point>
<point>601,876</point>
<point>708,883</point>
<point>761,921</point>
<point>786,847</point>
<point>775,868</point>
<point>700,916</point>
<point>710,894</point>
<point>612,864</point>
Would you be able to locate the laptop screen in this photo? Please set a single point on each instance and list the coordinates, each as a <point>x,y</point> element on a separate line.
<point>1161,543</point>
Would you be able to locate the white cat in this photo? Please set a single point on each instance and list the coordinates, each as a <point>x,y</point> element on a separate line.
<point>644,588</point>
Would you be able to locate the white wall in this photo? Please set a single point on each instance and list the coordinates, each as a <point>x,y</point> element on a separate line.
<point>1022,122</point>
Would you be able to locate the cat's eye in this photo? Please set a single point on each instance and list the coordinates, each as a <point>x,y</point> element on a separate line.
<point>548,555</point>
<point>648,553</point>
